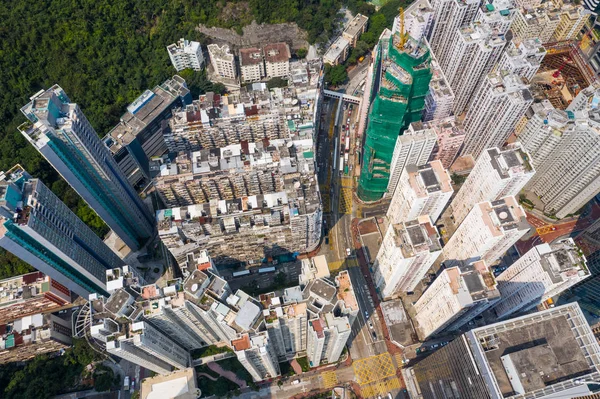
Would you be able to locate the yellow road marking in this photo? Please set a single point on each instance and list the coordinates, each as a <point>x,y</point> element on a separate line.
<point>373,368</point>
<point>329,379</point>
<point>545,229</point>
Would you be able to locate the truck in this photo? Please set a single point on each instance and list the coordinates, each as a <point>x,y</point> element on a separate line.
<point>341,164</point>
<point>347,144</point>
<point>126,383</point>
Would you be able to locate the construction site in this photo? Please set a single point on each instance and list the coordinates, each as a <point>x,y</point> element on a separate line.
<point>562,75</point>
<point>401,79</point>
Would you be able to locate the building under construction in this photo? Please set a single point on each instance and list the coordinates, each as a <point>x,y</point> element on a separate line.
<point>243,186</point>
<point>562,75</point>
<point>401,76</point>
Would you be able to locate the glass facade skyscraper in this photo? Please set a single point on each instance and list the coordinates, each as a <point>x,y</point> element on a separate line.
<point>59,130</point>
<point>36,226</point>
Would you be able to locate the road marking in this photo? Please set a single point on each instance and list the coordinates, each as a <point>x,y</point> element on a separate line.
<point>373,368</point>
<point>545,229</point>
<point>330,379</point>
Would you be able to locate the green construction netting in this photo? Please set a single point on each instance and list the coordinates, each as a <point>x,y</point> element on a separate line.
<point>399,100</point>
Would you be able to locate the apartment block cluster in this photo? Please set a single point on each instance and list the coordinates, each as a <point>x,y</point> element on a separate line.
<point>158,328</point>
<point>243,185</point>
<point>339,50</point>
<point>488,221</point>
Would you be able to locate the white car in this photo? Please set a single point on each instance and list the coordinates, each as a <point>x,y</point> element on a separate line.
<point>370,325</point>
<point>348,252</point>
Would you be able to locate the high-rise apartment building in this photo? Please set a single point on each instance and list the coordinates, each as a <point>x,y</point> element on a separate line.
<point>538,22</point>
<point>573,18</point>
<point>455,297</point>
<point>543,272</point>
<point>498,14</point>
<point>326,338</point>
<point>414,147</point>
<point>257,355</point>
<point>549,354</point>
<point>59,130</point>
<point>40,229</point>
<point>450,137</point>
<point>418,20</point>
<point>499,103</point>
<point>487,232</point>
<point>252,64</point>
<point>140,134</point>
<point>522,58</point>
<point>402,74</point>
<point>150,348</point>
<point>338,52</point>
<point>277,60</point>
<point>498,173</point>
<point>449,16</point>
<point>475,50</point>
<point>222,61</point>
<point>423,190</point>
<point>557,138</point>
<point>407,251</point>
<point>186,54</point>
<point>439,102</point>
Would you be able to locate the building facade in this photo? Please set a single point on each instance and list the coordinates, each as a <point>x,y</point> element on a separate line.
<point>423,190</point>
<point>222,61</point>
<point>186,54</point>
<point>257,355</point>
<point>41,230</point>
<point>252,64</point>
<point>498,172</point>
<point>59,130</point>
<point>487,232</point>
<point>556,138</point>
<point>455,297</point>
<point>475,50</point>
<point>407,252</point>
<point>414,147</point>
<point>277,60</point>
<point>522,58</point>
<point>543,272</point>
<point>450,137</point>
<point>498,105</point>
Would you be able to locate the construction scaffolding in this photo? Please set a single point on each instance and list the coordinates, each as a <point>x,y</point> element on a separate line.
<point>562,74</point>
<point>400,83</point>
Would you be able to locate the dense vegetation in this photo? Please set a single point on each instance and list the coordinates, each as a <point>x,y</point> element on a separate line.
<point>106,53</point>
<point>44,376</point>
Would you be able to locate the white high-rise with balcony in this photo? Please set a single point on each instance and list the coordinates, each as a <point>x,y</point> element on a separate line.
<point>543,272</point>
<point>186,54</point>
<point>565,147</point>
<point>414,147</point>
<point>487,232</point>
<point>499,172</point>
<point>522,58</point>
<point>475,50</point>
<point>422,190</point>
<point>455,297</point>
<point>498,105</point>
<point>257,355</point>
<point>408,250</point>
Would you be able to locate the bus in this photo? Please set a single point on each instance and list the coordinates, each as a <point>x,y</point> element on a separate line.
<point>266,270</point>
<point>242,273</point>
<point>347,144</point>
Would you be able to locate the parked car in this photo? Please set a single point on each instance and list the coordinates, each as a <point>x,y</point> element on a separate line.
<point>348,252</point>
<point>370,325</point>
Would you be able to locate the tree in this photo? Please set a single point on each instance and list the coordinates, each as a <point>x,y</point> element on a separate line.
<point>336,75</point>
<point>301,52</point>
<point>277,82</point>
<point>104,378</point>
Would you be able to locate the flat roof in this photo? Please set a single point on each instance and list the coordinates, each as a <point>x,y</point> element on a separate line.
<point>276,52</point>
<point>543,352</point>
<point>250,56</point>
